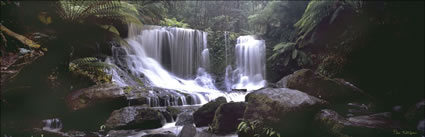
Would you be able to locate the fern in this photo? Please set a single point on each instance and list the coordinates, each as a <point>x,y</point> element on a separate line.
<point>150,11</point>
<point>92,68</point>
<point>256,128</point>
<point>317,11</point>
<point>174,23</point>
<point>97,12</point>
<point>313,15</point>
<point>282,48</point>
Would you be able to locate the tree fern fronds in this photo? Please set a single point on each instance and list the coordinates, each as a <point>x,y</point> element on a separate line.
<point>80,11</point>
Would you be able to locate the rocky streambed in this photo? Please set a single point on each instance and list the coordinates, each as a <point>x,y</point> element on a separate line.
<point>301,104</point>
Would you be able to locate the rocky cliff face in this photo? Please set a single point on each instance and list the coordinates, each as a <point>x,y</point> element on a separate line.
<point>370,44</point>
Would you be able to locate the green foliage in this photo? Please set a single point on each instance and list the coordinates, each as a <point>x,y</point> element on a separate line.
<point>282,48</point>
<point>288,52</point>
<point>81,11</point>
<point>101,13</point>
<point>314,13</point>
<point>217,47</point>
<point>128,89</point>
<point>317,11</point>
<point>275,15</point>
<point>92,68</point>
<point>151,12</point>
<point>256,129</point>
<point>210,128</point>
<point>173,23</point>
<point>102,127</point>
<point>269,15</point>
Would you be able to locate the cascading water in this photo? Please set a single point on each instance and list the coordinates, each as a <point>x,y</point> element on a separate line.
<point>52,125</point>
<point>177,49</point>
<point>184,50</point>
<point>178,59</point>
<point>250,65</point>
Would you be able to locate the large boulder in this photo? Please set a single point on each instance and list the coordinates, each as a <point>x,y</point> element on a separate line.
<point>165,134</point>
<point>332,90</point>
<point>184,119</point>
<point>288,111</point>
<point>415,113</point>
<point>205,115</point>
<point>135,118</point>
<point>227,117</point>
<point>96,94</point>
<point>188,131</point>
<point>329,123</point>
<point>176,110</point>
<point>353,109</point>
<point>124,96</point>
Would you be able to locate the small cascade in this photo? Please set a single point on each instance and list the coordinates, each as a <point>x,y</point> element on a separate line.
<point>226,42</point>
<point>205,59</point>
<point>228,81</point>
<point>52,125</point>
<point>250,65</point>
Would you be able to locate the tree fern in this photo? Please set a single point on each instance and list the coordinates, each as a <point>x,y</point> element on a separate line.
<point>317,11</point>
<point>150,11</point>
<point>98,12</point>
<point>282,48</point>
<point>314,13</point>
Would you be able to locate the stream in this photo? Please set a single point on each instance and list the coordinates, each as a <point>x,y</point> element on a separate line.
<point>178,59</point>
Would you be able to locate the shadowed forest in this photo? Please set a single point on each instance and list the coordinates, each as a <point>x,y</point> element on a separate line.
<point>311,68</point>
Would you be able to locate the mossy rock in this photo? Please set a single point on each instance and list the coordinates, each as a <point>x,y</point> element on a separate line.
<point>135,118</point>
<point>287,111</point>
<point>204,116</point>
<point>332,90</point>
<point>227,117</point>
<point>95,95</point>
<point>329,123</point>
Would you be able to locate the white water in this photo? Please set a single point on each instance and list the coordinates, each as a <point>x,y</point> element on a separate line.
<point>170,127</point>
<point>185,50</point>
<point>178,59</point>
<point>52,125</point>
<point>250,65</point>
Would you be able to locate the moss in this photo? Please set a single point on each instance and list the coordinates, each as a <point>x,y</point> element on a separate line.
<point>327,126</point>
<point>128,89</point>
<point>173,111</point>
<point>82,101</point>
<point>91,68</point>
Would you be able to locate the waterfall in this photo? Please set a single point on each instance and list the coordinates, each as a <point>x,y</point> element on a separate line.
<point>226,42</point>
<point>181,51</point>
<point>52,125</point>
<point>170,58</point>
<point>250,65</point>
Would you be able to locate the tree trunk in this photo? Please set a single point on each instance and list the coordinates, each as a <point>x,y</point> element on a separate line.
<point>21,38</point>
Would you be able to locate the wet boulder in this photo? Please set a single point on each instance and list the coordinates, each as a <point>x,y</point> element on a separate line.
<point>97,94</point>
<point>288,111</point>
<point>332,90</point>
<point>184,119</point>
<point>353,109</point>
<point>165,134</point>
<point>415,113</point>
<point>205,115</point>
<point>121,133</point>
<point>188,131</point>
<point>174,111</point>
<point>329,123</point>
<point>135,118</point>
<point>227,117</point>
